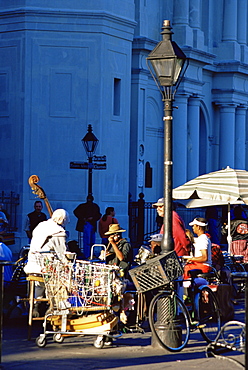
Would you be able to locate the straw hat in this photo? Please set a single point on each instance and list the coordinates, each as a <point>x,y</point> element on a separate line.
<point>114,228</point>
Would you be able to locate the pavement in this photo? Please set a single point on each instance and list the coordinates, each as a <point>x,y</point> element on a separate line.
<point>130,351</point>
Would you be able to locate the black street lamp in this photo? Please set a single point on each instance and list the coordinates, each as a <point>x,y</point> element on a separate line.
<point>167,65</point>
<point>90,143</point>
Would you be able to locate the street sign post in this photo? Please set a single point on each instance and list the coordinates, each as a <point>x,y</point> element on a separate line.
<point>97,162</point>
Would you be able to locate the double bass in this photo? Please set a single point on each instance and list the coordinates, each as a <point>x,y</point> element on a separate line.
<point>36,189</point>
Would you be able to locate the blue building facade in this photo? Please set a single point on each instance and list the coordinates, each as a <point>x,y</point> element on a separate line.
<point>66,65</point>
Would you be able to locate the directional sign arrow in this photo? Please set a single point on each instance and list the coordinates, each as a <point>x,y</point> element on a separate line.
<point>99,158</point>
<point>100,166</point>
<point>79,165</point>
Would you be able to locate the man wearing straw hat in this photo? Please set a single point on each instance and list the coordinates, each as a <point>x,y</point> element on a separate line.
<point>119,251</point>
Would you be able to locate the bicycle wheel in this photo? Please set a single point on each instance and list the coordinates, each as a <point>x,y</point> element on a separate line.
<point>169,321</point>
<point>208,314</point>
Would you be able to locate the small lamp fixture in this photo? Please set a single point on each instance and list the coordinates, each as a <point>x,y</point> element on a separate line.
<point>90,142</point>
<point>167,59</point>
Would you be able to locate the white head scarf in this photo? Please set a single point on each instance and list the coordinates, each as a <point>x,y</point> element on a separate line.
<point>61,217</point>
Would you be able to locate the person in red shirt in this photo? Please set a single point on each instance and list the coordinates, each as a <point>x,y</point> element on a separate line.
<point>104,222</point>
<point>181,241</point>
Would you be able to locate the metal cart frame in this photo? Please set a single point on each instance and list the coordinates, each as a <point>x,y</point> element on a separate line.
<point>80,294</point>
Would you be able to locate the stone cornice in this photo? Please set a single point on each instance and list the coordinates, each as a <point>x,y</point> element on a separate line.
<point>200,56</point>
<point>67,20</point>
<point>231,66</point>
<point>144,43</point>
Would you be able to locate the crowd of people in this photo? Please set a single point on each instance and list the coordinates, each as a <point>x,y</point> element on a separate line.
<point>198,247</point>
<point>118,249</point>
<point>195,244</point>
<point>197,251</point>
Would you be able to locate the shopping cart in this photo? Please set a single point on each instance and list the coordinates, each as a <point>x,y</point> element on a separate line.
<point>80,294</point>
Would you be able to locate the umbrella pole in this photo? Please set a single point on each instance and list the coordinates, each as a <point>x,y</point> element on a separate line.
<point>229,238</point>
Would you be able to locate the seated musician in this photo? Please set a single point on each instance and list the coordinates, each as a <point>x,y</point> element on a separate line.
<point>119,251</point>
<point>202,249</point>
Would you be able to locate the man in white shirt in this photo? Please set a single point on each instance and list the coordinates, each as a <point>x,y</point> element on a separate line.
<point>202,248</point>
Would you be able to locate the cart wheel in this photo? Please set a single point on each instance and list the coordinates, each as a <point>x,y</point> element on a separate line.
<point>58,338</point>
<point>99,342</point>
<point>108,341</point>
<point>41,342</point>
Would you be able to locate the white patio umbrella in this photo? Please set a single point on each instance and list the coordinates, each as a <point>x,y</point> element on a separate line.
<point>222,187</point>
<point>198,203</point>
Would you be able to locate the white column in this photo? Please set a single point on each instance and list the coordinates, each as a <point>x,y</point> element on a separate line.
<point>195,23</point>
<point>227,135</point>
<point>229,48</point>
<point>242,22</point>
<point>183,33</point>
<point>194,14</point>
<point>242,30</point>
<point>193,137</point>
<point>181,12</point>
<point>240,137</point>
<point>230,20</point>
<point>180,140</point>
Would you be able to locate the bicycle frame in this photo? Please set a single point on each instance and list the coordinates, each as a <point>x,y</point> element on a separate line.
<point>195,291</point>
<point>168,312</point>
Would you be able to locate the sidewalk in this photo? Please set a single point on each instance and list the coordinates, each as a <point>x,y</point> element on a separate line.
<point>131,351</point>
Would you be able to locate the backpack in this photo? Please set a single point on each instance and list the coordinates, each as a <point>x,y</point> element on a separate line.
<point>223,293</point>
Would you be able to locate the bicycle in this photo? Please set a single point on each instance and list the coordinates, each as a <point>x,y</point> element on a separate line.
<point>171,320</point>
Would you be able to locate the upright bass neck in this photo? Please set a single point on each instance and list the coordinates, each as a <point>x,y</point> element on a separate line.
<point>49,208</point>
<point>36,189</point>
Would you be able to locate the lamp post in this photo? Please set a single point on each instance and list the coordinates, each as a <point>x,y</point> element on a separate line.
<point>166,63</point>
<point>90,143</point>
